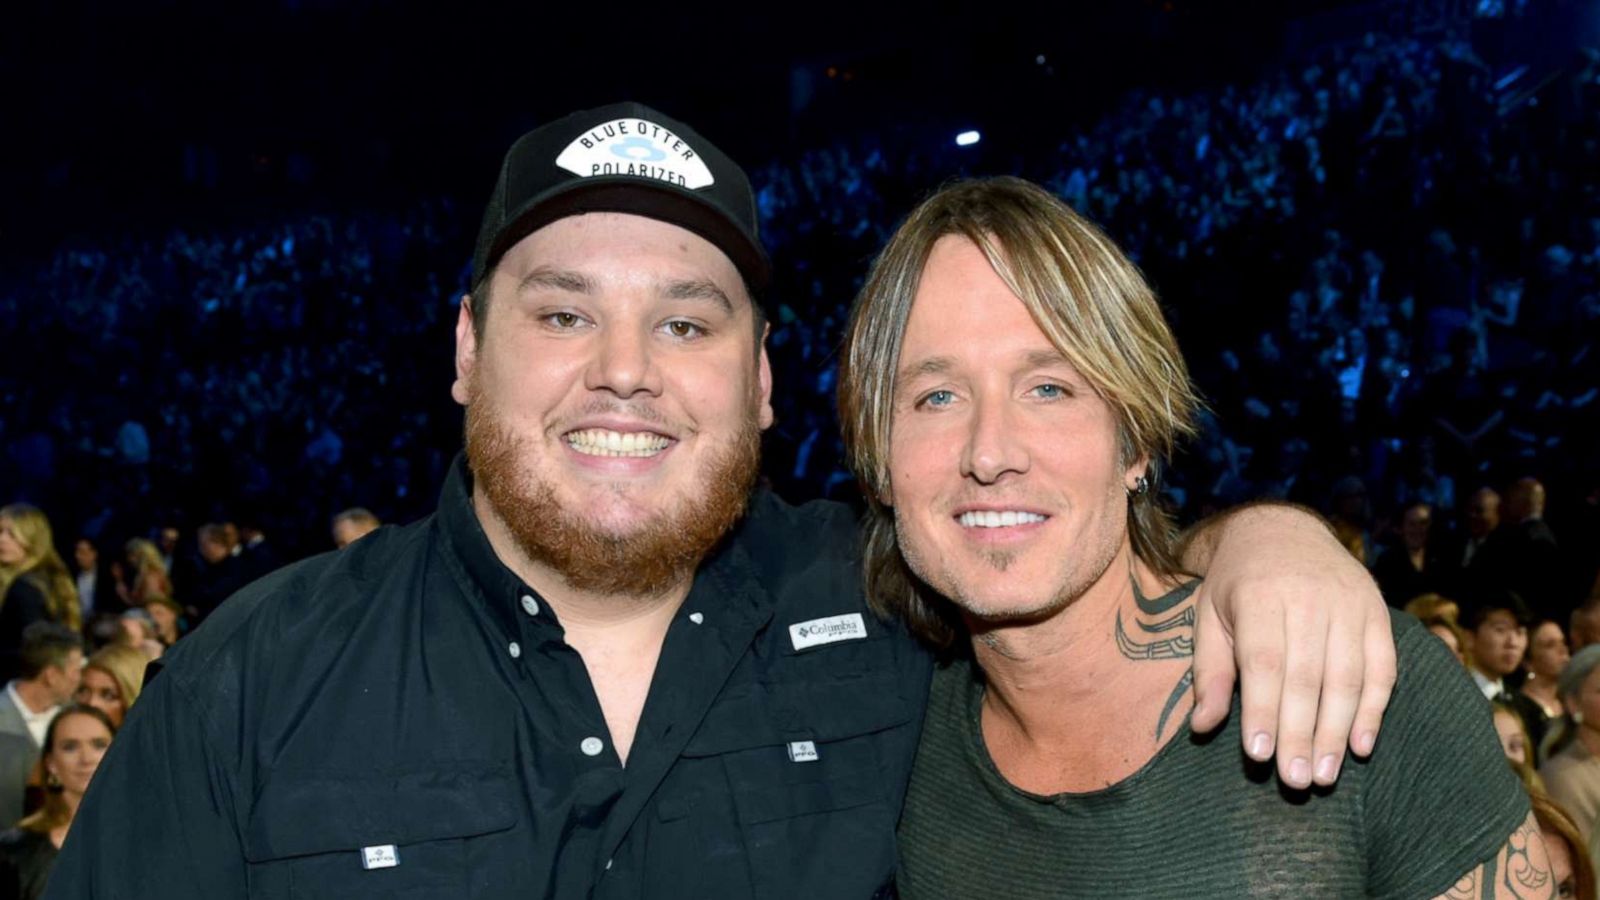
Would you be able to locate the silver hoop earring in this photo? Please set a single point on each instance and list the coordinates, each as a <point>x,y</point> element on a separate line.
<point>1141,486</point>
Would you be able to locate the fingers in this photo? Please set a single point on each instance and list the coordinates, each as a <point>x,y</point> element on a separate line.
<point>1342,677</point>
<point>1259,644</point>
<point>1305,661</point>
<point>1377,684</point>
<point>1214,671</point>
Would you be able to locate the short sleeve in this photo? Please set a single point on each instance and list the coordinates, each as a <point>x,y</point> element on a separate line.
<point>1440,798</point>
<point>158,820</point>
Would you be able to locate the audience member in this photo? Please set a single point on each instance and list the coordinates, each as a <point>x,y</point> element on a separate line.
<point>1572,773</point>
<point>147,573</point>
<point>74,744</point>
<point>1516,744</point>
<point>1538,701</point>
<point>352,525</point>
<point>34,583</point>
<point>256,556</point>
<point>1585,624</point>
<point>140,633</point>
<point>1498,625</point>
<point>1447,631</point>
<point>1410,568</point>
<point>112,679</point>
<point>1428,606</point>
<point>221,573</point>
<point>51,666</point>
<point>1483,520</point>
<point>1529,561</point>
<point>167,616</point>
<point>95,588</point>
<point>1570,860</point>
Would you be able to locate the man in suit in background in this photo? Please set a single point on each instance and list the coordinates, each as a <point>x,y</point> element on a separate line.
<point>51,667</point>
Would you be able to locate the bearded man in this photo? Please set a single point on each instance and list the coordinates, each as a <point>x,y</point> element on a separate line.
<point>607,666</point>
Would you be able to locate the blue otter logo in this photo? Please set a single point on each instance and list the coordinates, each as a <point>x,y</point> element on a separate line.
<point>638,149</point>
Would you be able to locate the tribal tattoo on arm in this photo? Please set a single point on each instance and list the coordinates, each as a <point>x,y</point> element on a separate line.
<point>1520,871</point>
<point>1165,630</point>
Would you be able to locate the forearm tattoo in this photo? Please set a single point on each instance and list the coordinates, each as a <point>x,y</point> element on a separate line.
<point>1164,632</point>
<point>1520,871</point>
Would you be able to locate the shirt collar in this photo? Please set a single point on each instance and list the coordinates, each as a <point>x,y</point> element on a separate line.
<point>463,533</point>
<point>1490,688</point>
<point>28,715</point>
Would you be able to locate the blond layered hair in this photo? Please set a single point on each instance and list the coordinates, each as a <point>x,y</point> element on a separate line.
<point>125,665</point>
<point>1093,305</point>
<point>41,564</point>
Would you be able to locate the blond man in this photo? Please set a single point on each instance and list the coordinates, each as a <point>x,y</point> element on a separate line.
<point>1010,393</point>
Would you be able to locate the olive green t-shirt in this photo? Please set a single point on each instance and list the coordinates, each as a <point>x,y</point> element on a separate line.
<point>1201,819</point>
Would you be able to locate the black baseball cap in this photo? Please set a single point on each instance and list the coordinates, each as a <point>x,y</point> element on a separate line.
<point>628,158</point>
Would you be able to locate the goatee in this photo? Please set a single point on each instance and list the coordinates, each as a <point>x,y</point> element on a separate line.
<point>647,561</point>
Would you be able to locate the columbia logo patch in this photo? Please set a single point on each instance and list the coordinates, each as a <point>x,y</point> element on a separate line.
<point>381,857</point>
<point>636,147</point>
<point>830,630</point>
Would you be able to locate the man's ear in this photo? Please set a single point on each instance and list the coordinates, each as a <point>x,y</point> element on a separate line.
<point>764,380</point>
<point>466,351</point>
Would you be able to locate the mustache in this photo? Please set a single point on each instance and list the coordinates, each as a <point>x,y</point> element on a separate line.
<point>597,406</point>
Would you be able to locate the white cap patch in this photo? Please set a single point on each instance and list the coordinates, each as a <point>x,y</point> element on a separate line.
<point>636,147</point>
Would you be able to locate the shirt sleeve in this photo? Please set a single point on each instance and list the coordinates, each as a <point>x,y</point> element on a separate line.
<point>159,817</point>
<point>1441,799</point>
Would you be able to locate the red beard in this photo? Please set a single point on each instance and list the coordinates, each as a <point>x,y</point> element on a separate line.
<point>645,563</point>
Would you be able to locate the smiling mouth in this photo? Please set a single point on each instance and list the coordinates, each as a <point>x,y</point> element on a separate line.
<point>605,442</point>
<point>998,519</point>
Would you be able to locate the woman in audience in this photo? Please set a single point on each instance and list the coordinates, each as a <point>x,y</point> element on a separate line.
<point>1572,773</point>
<point>73,746</point>
<point>1514,741</point>
<point>168,617</point>
<point>1428,606</point>
<point>1538,702</point>
<point>35,583</point>
<point>1547,656</point>
<point>112,679</point>
<point>147,576</point>
<point>1569,855</point>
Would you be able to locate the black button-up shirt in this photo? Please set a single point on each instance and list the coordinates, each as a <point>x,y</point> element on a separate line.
<point>405,719</point>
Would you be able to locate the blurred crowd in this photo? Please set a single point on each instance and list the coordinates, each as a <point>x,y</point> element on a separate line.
<point>1386,279</point>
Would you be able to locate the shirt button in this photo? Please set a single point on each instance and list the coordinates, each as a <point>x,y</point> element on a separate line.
<point>592,746</point>
<point>516,649</point>
<point>530,605</point>
<point>608,864</point>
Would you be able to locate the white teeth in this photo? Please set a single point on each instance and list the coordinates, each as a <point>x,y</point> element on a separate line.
<point>991,519</point>
<point>604,442</point>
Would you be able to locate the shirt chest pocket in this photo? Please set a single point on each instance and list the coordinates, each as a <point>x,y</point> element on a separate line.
<point>398,836</point>
<point>798,777</point>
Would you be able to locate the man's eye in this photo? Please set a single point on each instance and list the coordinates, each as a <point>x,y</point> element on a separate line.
<point>937,398</point>
<point>1050,391</point>
<point>678,328</point>
<point>564,319</point>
